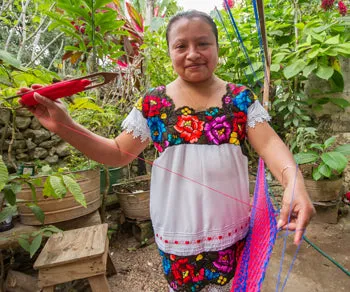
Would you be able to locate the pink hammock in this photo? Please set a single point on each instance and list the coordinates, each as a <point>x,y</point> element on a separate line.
<point>252,265</point>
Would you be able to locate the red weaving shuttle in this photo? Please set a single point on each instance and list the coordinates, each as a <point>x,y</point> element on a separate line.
<point>66,88</point>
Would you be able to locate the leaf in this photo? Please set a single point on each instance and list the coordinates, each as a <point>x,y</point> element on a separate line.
<point>316,175</point>
<point>333,40</point>
<point>309,68</point>
<point>52,229</point>
<point>24,244</point>
<point>307,157</point>
<point>35,245</point>
<point>275,67</point>
<point>4,175</point>
<point>39,214</point>
<point>343,149</point>
<point>9,59</point>
<point>316,146</point>
<point>10,195</point>
<point>325,170</point>
<point>294,69</point>
<point>341,102</point>
<point>324,72</point>
<point>329,142</point>
<point>7,212</point>
<point>136,18</point>
<point>335,160</point>
<point>57,185</point>
<point>75,189</point>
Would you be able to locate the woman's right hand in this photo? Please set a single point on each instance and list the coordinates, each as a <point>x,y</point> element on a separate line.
<point>50,113</point>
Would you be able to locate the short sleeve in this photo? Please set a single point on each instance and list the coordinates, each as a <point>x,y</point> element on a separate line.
<point>136,123</point>
<point>257,114</point>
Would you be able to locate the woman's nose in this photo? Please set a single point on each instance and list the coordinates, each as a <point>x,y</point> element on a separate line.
<point>192,53</point>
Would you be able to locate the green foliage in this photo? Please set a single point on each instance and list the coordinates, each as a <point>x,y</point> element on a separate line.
<point>31,243</point>
<point>327,163</point>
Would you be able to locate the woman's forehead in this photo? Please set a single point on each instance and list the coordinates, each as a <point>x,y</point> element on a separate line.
<point>186,28</point>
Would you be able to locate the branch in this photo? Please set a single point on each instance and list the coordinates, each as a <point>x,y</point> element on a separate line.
<point>19,20</point>
<point>44,49</point>
<point>57,54</point>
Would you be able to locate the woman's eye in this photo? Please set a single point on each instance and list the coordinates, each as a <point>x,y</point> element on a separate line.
<point>203,44</point>
<point>180,46</point>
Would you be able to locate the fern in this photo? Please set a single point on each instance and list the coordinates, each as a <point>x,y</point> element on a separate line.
<point>57,185</point>
<point>75,189</point>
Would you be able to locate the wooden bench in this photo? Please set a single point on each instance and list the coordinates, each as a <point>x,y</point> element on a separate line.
<point>75,254</point>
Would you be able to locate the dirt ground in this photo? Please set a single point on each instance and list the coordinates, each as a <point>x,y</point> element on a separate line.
<point>139,269</point>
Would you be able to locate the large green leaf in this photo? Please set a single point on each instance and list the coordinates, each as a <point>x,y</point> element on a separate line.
<point>343,149</point>
<point>335,160</point>
<point>75,189</point>
<point>307,157</point>
<point>341,102</point>
<point>9,59</point>
<point>325,170</point>
<point>333,40</point>
<point>324,72</point>
<point>329,142</point>
<point>294,68</point>
<point>57,185</point>
<point>309,68</point>
<point>24,243</point>
<point>10,195</point>
<point>4,175</point>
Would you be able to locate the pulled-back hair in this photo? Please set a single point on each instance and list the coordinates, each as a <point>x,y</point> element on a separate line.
<point>189,15</point>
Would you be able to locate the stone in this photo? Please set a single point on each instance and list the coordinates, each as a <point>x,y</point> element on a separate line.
<point>17,144</point>
<point>5,115</point>
<point>47,144</point>
<point>8,132</point>
<point>23,123</point>
<point>39,153</point>
<point>52,159</point>
<point>35,125</point>
<point>30,144</point>
<point>23,112</point>
<point>24,157</point>
<point>37,136</point>
<point>63,149</point>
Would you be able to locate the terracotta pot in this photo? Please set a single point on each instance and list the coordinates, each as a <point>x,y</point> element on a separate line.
<point>65,209</point>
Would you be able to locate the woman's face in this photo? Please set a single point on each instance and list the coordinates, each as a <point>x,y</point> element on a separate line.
<point>193,49</point>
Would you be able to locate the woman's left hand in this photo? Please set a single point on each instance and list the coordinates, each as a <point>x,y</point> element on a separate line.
<point>297,209</point>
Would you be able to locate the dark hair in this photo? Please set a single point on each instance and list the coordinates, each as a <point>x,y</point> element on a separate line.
<point>189,15</point>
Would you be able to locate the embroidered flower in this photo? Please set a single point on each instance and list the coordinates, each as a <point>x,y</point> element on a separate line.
<point>212,112</point>
<point>186,111</point>
<point>199,257</point>
<point>166,265</point>
<point>163,116</point>
<point>158,147</point>
<point>227,99</point>
<point>198,276</point>
<point>234,138</point>
<point>224,262</point>
<point>174,139</point>
<point>239,124</point>
<point>211,274</point>
<point>222,280</point>
<point>165,102</point>
<point>189,127</point>
<point>218,130</point>
<point>151,105</point>
<point>182,271</point>
<point>242,101</point>
<point>157,128</point>
<point>173,285</point>
<point>237,88</point>
<point>138,104</point>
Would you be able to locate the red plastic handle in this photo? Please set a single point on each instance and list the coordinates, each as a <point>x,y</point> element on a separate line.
<point>56,90</point>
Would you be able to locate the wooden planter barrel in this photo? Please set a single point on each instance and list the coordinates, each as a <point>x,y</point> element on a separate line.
<point>66,208</point>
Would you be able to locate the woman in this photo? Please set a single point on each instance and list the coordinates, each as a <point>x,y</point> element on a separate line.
<point>199,191</point>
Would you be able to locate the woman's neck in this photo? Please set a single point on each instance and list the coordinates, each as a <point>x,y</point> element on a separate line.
<point>199,86</point>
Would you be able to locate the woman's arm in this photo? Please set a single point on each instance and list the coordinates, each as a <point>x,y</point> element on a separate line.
<point>114,152</point>
<point>281,163</point>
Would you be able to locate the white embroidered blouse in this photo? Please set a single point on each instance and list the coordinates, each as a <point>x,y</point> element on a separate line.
<point>200,187</point>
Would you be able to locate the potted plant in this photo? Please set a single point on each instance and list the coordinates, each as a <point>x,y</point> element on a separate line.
<point>323,166</point>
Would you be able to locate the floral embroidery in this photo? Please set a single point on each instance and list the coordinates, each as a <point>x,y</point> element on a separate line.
<point>218,131</point>
<point>157,128</point>
<point>215,126</point>
<point>225,261</point>
<point>189,127</point>
<point>192,273</point>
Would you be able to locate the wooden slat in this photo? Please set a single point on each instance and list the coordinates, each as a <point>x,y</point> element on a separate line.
<point>73,245</point>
